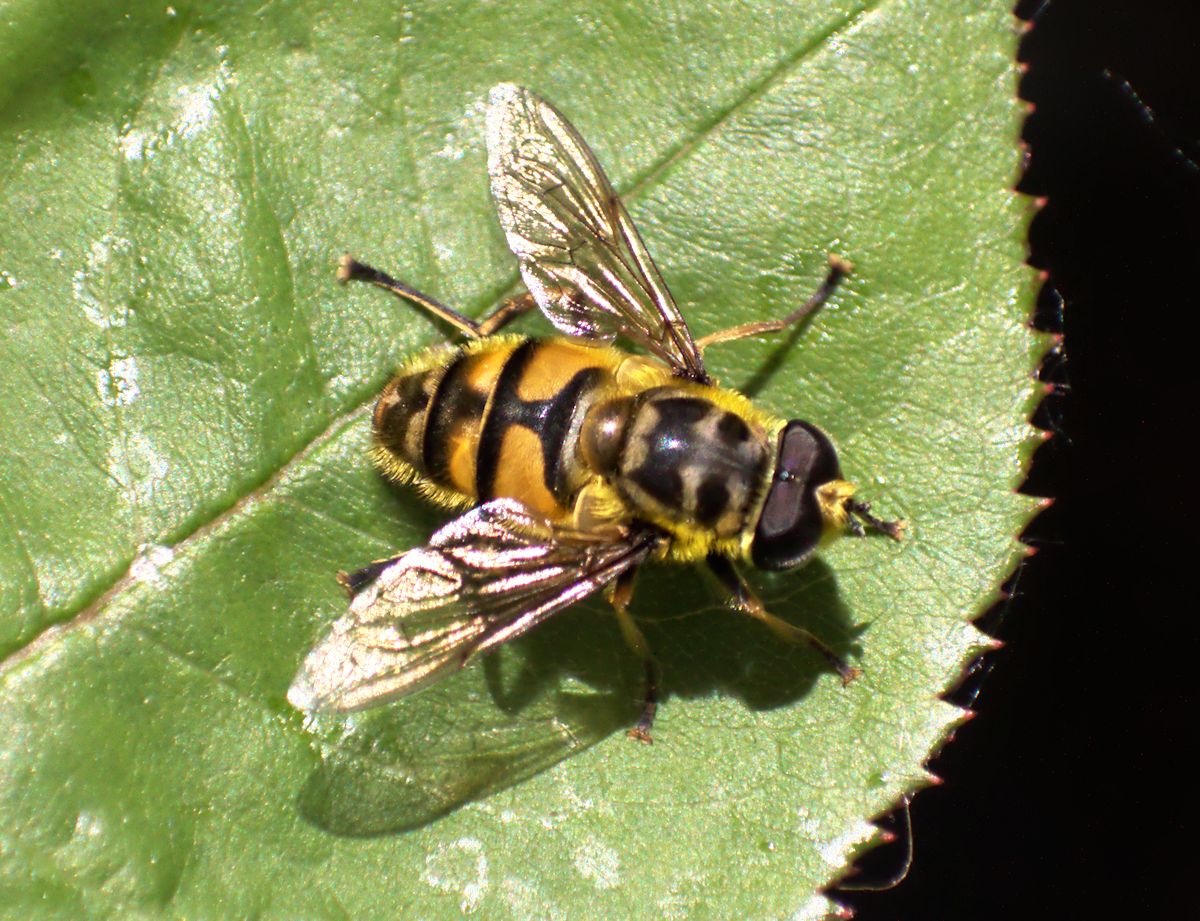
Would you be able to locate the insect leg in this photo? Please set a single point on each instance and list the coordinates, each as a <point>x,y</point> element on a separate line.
<point>622,592</point>
<point>505,313</point>
<point>356,581</point>
<point>838,269</point>
<point>350,269</point>
<point>743,599</point>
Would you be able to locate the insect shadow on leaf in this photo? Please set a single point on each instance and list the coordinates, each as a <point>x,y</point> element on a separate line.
<point>554,693</point>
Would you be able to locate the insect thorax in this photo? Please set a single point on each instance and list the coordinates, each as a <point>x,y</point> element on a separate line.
<point>680,459</point>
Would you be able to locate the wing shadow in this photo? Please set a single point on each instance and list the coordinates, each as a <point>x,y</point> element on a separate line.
<point>555,693</point>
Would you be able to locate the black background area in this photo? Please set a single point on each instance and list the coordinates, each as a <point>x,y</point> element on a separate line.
<point>1070,795</point>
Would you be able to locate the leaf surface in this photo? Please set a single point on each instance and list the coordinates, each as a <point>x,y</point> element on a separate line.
<point>183,465</point>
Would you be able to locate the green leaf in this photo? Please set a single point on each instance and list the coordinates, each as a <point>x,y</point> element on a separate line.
<point>186,411</point>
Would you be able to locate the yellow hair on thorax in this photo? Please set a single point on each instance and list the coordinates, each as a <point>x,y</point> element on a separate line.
<point>693,545</point>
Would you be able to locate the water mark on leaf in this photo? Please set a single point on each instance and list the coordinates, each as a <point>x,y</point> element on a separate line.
<point>150,562</point>
<point>461,867</point>
<point>89,284</point>
<point>598,862</point>
<point>117,385</point>
<point>138,467</point>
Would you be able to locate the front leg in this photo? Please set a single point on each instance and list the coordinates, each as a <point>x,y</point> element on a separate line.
<point>743,599</point>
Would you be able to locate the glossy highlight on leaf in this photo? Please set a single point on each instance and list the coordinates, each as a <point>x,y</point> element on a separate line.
<point>185,421</point>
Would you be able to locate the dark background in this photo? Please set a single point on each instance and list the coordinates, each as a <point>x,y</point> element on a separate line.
<point>1069,796</point>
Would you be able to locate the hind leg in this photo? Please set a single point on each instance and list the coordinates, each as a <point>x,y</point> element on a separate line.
<point>350,269</point>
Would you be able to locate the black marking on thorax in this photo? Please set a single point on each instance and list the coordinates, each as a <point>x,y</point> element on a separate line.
<point>667,446</point>
<point>695,459</point>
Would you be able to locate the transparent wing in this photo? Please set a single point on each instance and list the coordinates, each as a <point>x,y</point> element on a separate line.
<point>580,255</point>
<point>484,578</point>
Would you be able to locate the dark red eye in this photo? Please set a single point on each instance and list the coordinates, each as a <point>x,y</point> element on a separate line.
<point>790,524</point>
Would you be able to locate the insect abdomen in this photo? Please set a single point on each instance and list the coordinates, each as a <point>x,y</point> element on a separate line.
<point>499,417</point>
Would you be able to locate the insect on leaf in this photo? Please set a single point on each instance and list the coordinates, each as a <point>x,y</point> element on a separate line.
<point>184,462</point>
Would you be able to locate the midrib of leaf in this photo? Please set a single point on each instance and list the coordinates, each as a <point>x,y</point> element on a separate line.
<point>252,498</point>
<point>90,609</point>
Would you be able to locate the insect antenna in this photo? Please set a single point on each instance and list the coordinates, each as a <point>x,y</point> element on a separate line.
<point>862,511</point>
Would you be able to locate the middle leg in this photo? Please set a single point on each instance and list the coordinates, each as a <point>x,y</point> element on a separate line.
<point>619,597</point>
<point>838,269</point>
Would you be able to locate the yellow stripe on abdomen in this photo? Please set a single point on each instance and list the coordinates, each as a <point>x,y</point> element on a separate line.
<point>497,418</point>
<point>520,472</point>
<point>554,362</point>
<point>456,417</point>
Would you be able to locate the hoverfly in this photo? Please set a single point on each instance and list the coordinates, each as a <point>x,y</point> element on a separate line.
<point>578,461</point>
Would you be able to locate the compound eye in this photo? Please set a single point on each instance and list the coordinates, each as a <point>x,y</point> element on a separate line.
<point>790,524</point>
<point>806,453</point>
